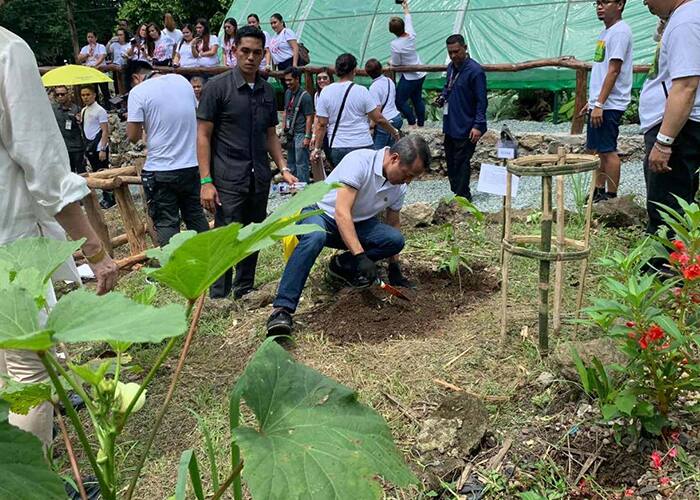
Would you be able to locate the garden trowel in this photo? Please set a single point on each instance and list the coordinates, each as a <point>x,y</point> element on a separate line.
<point>391,290</point>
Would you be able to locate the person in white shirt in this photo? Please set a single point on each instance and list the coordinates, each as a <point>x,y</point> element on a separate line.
<point>206,46</point>
<point>610,92</point>
<point>669,110</point>
<point>37,191</point>
<point>372,183</point>
<point>343,112</point>
<point>160,48</point>
<point>266,63</point>
<point>94,55</point>
<point>138,50</point>
<point>383,91</point>
<point>119,48</point>
<point>183,50</point>
<point>122,24</point>
<point>164,107</point>
<point>95,124</point>
<point>170,29</point>
<point>229,46</point>
<point>284,48</point>
<point>404,53</point>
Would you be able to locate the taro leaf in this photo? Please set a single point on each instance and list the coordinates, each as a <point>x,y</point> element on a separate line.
<point>198,262</point>
<point>19,324</point>
<point>23,397</point>
<point>82,316</point>
<point>163,254</point>
<point>43,254</point>
<point>315,440</point>
<point>24,471</point>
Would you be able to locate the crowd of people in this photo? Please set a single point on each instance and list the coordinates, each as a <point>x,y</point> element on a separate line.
<point>209,143</point>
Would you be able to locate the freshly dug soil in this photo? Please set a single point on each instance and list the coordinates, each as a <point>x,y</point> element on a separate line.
<point>372,315</point>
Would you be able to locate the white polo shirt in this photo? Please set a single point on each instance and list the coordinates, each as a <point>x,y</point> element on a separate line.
<point>678,57</point>
<point>614,43</point>
<point>383,91</point>
<point>363,171</point>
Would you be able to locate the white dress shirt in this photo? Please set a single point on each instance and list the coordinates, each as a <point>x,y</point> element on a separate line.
<point>35,178</point>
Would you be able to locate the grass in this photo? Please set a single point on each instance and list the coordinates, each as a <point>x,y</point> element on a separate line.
<point>405,368</point>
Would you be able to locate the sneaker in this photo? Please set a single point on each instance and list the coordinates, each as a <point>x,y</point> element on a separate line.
<point>347,276</point>
<point>280,323</point>
<point>239,293</point>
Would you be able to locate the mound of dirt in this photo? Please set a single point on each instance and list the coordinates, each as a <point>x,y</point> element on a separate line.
<point>372,315</point>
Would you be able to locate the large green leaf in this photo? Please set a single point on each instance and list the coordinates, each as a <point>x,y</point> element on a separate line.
<point>82,316</point>
<point>24,473</point>
<point>23,397</point>
<point>198,262</point>
<point>315,440</point>
<point>19,322</point>
<point>43,254</point>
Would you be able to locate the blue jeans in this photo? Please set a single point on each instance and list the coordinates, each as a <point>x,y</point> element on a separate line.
<point>337,154</point>
<point>411,90</point>
<point>382,137</point>
<point>298,157</point>
<point>380,241</point>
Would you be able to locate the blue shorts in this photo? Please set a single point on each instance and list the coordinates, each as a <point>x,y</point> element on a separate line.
<point>603,139</point>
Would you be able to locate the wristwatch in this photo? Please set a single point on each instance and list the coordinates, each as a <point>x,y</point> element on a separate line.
<point>665,139</point>
<point>285,169</point>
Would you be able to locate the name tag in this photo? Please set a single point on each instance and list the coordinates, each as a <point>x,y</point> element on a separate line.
<point>445,109</point>
<point>69,125</point>
<point>505,153</point>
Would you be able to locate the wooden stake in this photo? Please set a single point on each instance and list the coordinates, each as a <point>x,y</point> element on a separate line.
<point>505,265</point>
<point>133,226</point>
<point>587,241</point>
<point>92,208</point>
<point>559,266</point>
<point>545,246</point>
<point>580,100</point>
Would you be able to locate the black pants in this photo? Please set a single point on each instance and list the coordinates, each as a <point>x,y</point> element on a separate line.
<point>77,161</point>
<point>458,155</point>
<point>244,208</point>
<point>681,181</point>
<point>93,157</point>
<point>172,197</point>
<point>106,96</point>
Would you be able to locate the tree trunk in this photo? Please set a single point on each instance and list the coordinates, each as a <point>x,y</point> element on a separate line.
<point>73,29</point>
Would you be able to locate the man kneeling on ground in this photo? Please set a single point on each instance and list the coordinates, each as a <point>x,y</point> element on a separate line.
<point>372,181</point>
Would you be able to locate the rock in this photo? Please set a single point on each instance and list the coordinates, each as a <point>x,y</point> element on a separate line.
<point>545,379</point>
<point>530,141</point>
<point>417,215</point>
<point>448,212</point>
<point>622,211</point>
<point>605,349</point>
<point>261,297</point>
<point>438,434</point>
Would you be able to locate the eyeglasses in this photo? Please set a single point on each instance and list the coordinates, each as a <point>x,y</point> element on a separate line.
<point>60,95</point>
<point>604,2</point>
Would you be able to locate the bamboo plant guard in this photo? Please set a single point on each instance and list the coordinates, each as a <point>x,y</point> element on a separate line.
<point>565,249</point>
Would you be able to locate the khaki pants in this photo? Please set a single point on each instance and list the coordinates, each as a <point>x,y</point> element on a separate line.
<point>26,367</point>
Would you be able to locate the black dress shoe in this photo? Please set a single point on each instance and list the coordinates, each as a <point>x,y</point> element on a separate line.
<point>280,323</point>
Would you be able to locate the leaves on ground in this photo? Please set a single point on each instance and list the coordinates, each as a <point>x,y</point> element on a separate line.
<point>315,440</point>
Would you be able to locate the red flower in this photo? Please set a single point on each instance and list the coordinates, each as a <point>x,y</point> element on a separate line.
<point>664,481</point>
<point>665,345</point>
<point>684,361</point>
<point>643,342</point>
<point>692,272</point>
<point>655,333</point>
<point>679,258</point>
<point>629,492</point>
<point>632,335</point>
<point>673,452</point>
<point>630,324</point>
<point>656,459</point>
<point>679,245</point>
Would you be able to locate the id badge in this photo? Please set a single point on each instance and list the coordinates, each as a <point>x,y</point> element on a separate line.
<point>69,125</point>
<point>445,109</point>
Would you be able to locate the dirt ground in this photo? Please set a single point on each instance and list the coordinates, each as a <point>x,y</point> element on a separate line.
<point>404,359</point>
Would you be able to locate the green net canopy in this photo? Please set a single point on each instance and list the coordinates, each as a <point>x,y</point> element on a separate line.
<point>497,31</point>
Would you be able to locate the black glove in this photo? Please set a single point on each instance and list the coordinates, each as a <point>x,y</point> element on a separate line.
<point>439,101</point>
<point>396,278</point>
<point>366,268</point>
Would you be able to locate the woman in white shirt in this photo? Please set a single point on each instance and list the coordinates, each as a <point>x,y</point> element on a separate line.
<point>160,48</point>
<point>266,63</point>
<point>94,55</point>
<point>206,46</point>
<point>403,53</point>
<point>284,48</point>
<point>118,49</point>
<point>183,53</point>
<point>230,29</point>
<point>138,50</point>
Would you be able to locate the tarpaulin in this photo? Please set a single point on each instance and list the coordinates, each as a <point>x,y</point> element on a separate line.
<point>497,31</point>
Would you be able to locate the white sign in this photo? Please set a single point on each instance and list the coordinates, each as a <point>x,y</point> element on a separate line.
<point>505,153</point>
<point>492,180</point>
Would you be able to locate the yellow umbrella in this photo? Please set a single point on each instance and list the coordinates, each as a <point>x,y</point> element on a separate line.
<point>73,74</point>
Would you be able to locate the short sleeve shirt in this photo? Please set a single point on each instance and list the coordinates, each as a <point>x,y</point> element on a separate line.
<point>306,108</point>
<point>97,50</point>
<point>353,130</point>
<point>241,118</point>
<point>69,126</point>
<point>163,48</point>
<point>383,91</point>
<point>279,46</point>
<point>614,43</point>
<point>363,170</point>
<point>93,116</point>
<point>678,57</point>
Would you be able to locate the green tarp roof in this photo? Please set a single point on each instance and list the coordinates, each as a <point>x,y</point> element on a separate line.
<point>498,31</point>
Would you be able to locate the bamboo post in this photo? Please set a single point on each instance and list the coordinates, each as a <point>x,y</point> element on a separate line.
<point>94,214</point>
<point>505,256</point>
<point>580,101</point>
<point>133,226</point>
<point>559,266</point>
<point>545,246</point>
<point>586,239</point>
